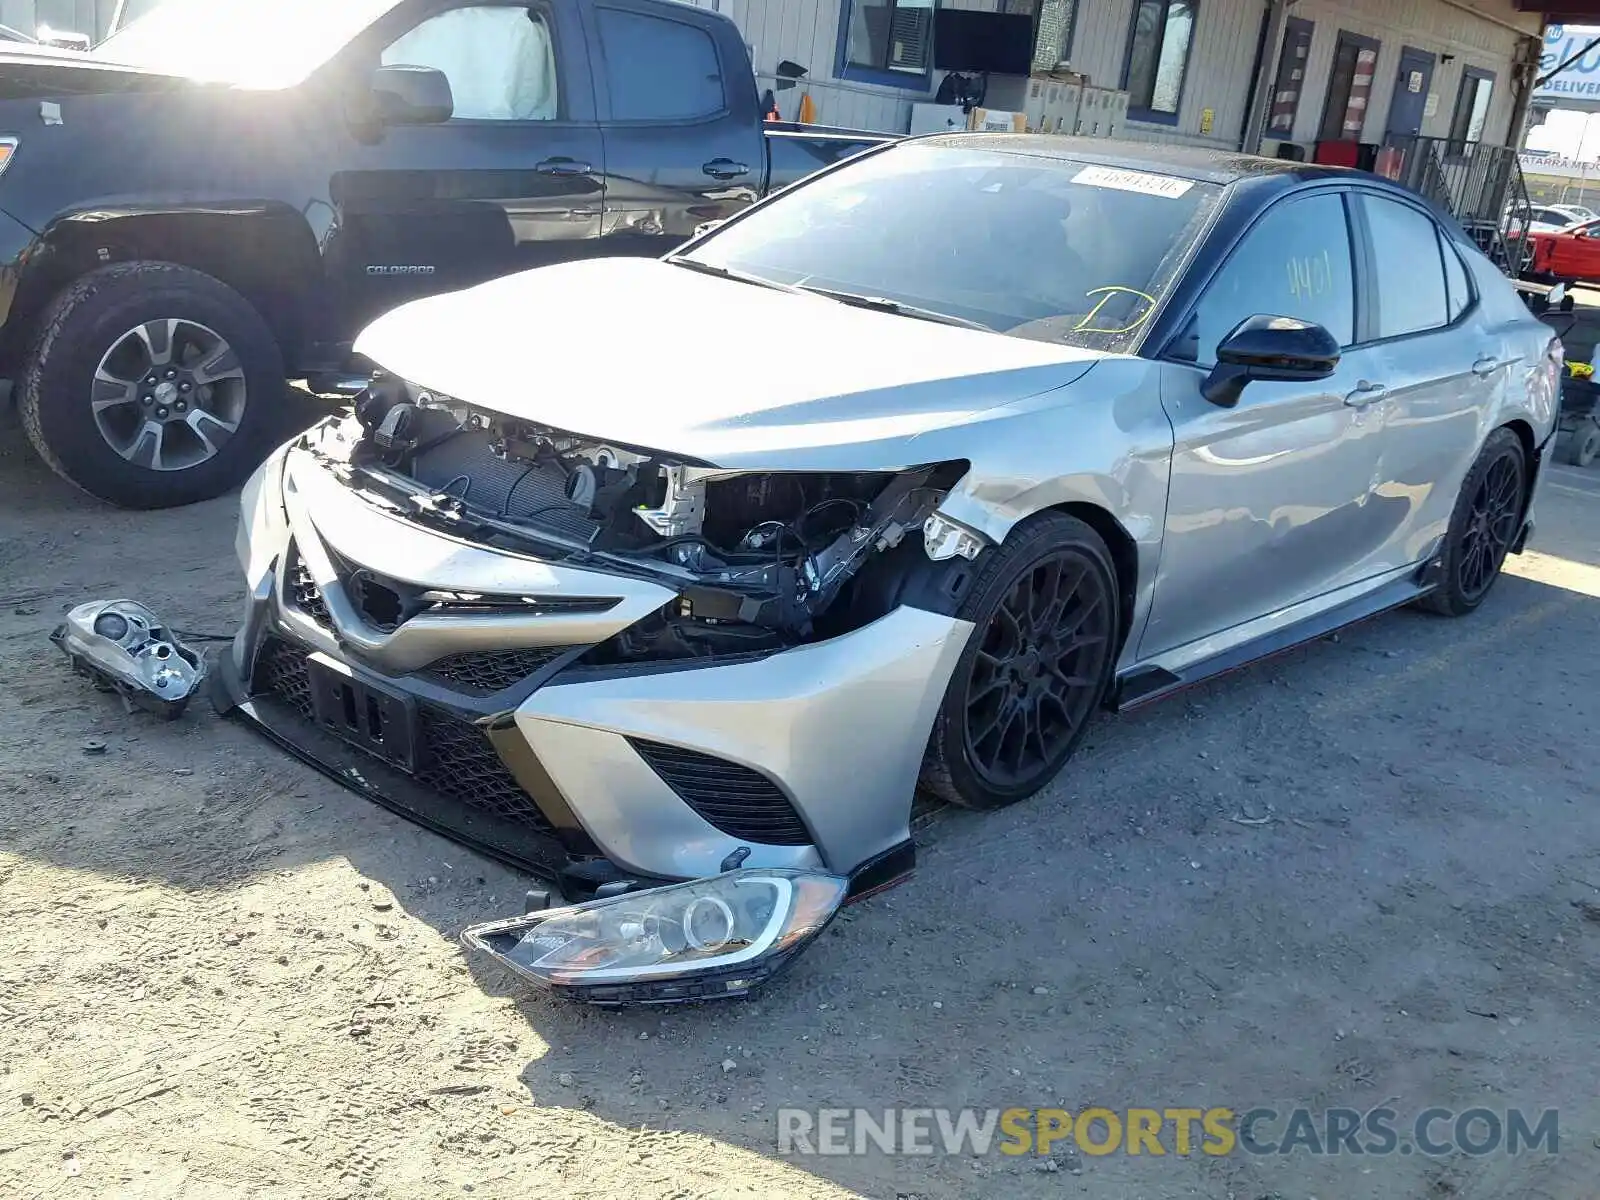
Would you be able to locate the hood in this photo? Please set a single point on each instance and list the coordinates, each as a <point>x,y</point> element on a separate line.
<point>45,71</point>
<point>660,357</point>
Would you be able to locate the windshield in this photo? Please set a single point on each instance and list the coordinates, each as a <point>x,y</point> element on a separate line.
<point>252,43</point>
<point>1044,248</point>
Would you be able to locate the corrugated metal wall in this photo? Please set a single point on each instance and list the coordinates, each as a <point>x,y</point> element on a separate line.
<point>92,17</point>
<point>807,32</point>
<point>1220,63</point>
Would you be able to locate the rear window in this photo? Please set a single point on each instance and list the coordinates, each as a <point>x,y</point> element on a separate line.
<point>659,70</point>
<point>1044,248</point>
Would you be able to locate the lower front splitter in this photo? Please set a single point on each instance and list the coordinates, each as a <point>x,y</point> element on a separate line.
<point>541,853</point>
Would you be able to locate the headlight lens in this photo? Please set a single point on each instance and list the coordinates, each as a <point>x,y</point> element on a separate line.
<point>711,938</point>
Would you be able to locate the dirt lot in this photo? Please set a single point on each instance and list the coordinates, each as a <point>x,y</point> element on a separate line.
<point>1354,874</point>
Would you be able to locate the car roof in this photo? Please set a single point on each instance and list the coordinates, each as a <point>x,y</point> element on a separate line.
<point>1189,162</point>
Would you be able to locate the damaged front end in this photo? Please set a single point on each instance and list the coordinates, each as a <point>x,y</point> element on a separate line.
<point>694,698</point>
<point>759,560</point>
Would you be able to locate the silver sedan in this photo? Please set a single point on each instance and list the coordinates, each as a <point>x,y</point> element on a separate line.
<point>638,572</point>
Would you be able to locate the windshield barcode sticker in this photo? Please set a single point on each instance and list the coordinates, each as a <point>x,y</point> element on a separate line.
<point>1134,181</point>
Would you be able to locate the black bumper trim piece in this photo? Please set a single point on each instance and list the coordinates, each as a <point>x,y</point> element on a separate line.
<point>508,842</point>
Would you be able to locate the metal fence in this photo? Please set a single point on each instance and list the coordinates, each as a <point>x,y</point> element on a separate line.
<point>1479,184</point>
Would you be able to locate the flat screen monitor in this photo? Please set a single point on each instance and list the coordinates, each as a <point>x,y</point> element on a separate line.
<point>999,43</point>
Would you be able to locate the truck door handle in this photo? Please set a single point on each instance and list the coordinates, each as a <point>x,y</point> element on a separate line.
<point>725,168</point>
<point>1365,394</point>
<point>563,167</point>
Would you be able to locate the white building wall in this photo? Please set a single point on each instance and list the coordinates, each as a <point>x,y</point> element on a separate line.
<point>1221,60</point>
<point>92,17</point>
<point>1431,25</point>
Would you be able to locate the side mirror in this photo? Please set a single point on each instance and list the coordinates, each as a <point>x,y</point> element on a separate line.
<point>1556,297</point>
<point>1269,348</point>
<point>412,95</point>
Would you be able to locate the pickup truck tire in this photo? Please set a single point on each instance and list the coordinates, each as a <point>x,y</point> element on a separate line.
<point>185,350</point>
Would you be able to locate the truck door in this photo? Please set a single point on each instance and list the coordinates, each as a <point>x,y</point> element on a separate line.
<point>513,180</point>
<point>680,119</point>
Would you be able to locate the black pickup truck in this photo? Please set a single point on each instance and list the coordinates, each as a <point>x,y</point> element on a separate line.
<point>219,196</point>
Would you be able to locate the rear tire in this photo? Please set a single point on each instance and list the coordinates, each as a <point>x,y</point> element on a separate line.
<point>1484,524</point>
<point>1045,610</point>
<point>113,351</point>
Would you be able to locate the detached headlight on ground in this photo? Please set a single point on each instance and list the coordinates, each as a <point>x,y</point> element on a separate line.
<point>708,939</point>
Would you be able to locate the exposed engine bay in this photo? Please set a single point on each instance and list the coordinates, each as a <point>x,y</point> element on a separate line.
<point>761,560</point>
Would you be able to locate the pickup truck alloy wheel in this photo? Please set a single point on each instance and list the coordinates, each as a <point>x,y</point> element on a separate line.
<point>152,385</point>
<point>1036,668</point>
<point>168,394</point>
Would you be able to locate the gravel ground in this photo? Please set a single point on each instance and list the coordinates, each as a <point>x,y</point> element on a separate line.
<point>1366,871</point>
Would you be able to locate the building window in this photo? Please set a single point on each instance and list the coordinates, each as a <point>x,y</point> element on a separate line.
<point>1349,88</point>
<point>1291,78</point>
<point>1158,57</point>
<point>1472,106</point>
<point>886,41</point>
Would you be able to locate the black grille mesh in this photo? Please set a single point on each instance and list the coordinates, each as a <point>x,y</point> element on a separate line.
<point>740,802</point>
<point>303,593</point>
<point>458,761</point>
<point>454,757</point>
<point>281,672</point>
<point>484,672</point>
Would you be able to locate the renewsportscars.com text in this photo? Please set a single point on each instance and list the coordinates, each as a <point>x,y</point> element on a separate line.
<point>1162,1131</point>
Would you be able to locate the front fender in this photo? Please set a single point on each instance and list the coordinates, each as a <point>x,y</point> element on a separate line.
<point>1107,444</point>
<point>263,249</point>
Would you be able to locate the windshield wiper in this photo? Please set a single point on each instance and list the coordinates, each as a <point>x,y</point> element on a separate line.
<point>884,304</point>
<point>706,268</point>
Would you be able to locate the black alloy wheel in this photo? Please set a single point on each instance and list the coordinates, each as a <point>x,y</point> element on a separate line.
<point>1037,666</point>
<point>1496,505</point>
<point>1483,527</point>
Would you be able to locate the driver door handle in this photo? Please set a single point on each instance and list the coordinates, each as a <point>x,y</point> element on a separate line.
<point>563,167</point>
<point>725,168</point>
<point>1365,394</point>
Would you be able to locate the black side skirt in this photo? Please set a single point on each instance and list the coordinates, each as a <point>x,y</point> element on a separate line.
<point>1143,685</point>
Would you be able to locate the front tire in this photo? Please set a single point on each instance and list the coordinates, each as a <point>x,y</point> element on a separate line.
<point>1484,524</point>
<point>1045,610</point>
<point>152,385</point>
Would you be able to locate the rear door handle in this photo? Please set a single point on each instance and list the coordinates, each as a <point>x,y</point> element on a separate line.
<point>1489,364</point>
<point>1365,394</point>
<point>725,168</point>
<point>563,167</point>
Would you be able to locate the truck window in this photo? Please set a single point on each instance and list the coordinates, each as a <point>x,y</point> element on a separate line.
<point>659,69</point>
<point>500,61</point>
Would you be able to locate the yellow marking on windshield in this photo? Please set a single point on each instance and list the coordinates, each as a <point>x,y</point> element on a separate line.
<point>1086,325</point>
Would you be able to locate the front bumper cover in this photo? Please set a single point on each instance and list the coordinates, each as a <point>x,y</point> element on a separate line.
<point>596,778</point>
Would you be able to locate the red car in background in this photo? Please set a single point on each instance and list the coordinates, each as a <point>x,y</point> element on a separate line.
<point>1571,254</point>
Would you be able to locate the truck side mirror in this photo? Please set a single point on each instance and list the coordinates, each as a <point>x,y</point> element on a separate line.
<point>409,95</point>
